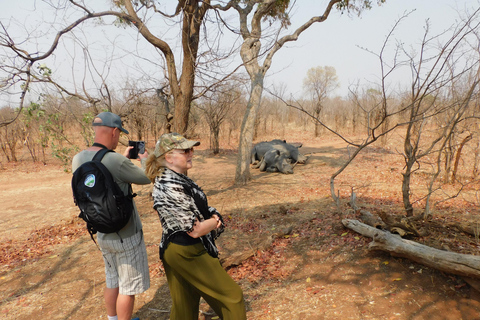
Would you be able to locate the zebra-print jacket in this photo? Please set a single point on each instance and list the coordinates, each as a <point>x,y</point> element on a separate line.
<point>179,201</point>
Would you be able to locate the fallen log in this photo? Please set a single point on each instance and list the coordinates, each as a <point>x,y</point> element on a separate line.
<point>236,258</point>
<point>372,220</point>
<point>451,262</point>
<point>471,229</point>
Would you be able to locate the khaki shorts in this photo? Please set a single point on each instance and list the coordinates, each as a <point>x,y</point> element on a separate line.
<point>126,264</point>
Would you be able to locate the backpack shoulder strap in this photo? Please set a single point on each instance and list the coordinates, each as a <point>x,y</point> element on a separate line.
<point>100,154</point>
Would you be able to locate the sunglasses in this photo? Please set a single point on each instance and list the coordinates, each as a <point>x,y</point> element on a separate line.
<point>185,151</point>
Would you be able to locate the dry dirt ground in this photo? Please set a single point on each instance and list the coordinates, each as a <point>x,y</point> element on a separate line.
<point>50,268</point>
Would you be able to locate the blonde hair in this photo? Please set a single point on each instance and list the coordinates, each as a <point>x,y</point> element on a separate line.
<point>153,165</point>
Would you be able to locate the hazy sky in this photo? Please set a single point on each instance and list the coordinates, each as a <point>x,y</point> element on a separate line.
<point>334,42</point>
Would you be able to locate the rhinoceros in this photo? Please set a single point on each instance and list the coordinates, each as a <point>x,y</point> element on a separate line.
<point>274,160</point>
<point>273,154</point>
<point>290,150</point>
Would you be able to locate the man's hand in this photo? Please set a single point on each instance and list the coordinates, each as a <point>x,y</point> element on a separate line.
<point>126,153</point>
<point>143,155</point>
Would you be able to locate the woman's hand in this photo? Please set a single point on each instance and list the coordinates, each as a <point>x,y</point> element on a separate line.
<point>219,222</point>
<point>201,228</point>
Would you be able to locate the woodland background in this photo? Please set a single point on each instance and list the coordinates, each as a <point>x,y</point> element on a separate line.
<point>409,155</point>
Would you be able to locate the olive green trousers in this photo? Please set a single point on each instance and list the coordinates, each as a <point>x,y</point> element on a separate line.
<point>192,273</point>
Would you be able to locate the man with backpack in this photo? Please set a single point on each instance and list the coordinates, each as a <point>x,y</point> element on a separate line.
<point>124,251</point>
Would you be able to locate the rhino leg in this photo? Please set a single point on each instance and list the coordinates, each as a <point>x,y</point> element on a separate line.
<point>262,165</point>
<point>253,158</point>
<point>256,164</point>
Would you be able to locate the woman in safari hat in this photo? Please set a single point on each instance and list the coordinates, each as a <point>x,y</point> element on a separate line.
<point>190,227</point>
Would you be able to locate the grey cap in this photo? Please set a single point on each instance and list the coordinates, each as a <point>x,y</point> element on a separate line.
<point>170,141</point>
<point>109,119</point>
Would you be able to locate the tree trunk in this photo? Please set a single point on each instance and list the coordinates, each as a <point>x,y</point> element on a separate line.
<point>190,42</point>
<point>215,137</point>
<point>476,161</point>
<point>448,161</point>
<point>182,89</point>
<point>317,122</point>
<point>242,175</point>
<point>457,157</point>
<point>410,158</point>
<point>455,263</point>
<point>182,111</point>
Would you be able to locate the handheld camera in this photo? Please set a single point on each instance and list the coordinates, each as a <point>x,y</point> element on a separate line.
<point>138,148</point>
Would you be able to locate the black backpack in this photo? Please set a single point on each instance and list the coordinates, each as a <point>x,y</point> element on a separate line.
<point>102,203</point>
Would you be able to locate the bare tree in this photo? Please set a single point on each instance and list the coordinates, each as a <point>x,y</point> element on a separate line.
<point>320,82</point>
<point>216,106</point>
<point>431,80</point>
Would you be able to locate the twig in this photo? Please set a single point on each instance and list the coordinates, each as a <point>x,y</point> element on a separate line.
<point>158,310</point>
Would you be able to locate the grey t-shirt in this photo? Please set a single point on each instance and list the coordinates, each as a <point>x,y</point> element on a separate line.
<point>124,172</point>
